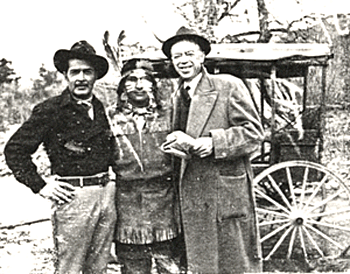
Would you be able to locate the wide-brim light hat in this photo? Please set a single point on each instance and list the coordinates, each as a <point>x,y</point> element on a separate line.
<point>84,51</point>
<point>186,34</point>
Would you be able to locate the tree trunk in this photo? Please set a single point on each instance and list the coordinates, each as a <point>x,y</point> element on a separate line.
<point>265,34</point>
<point>205,16</point>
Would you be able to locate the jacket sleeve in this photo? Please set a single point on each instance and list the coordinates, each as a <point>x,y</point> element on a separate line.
<point>245,132</point>
<point>114,154</point>
<point>25,141</point>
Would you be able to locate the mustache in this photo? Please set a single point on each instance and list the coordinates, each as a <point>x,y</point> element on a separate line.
<point>81,83</point>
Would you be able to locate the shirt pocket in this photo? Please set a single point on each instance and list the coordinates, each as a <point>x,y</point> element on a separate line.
<point>233,197</point>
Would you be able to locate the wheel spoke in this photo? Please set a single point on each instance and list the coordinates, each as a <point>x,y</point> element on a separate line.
<point>278,189</point>
<point>324,236</point>
<point>312,241</point>
<point>291,243</point>
<point>322,214</point>
<point>298,205</point>
<point>329,225</point>
<point>278,244</point>
<point>302,242</point>
<point>274,232</point>
<point>323,202</point>
<point>266,211</point>
<point>306,174</point>
<point>274,222</point>
<point>291,187</point>
<point>315,191</point>
<point>271,200</point>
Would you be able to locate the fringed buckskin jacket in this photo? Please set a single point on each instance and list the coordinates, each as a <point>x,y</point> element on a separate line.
<point>147,206</point>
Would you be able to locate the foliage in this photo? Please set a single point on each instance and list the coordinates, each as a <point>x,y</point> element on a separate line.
<point>46,85</point>
<point>7,74</point>
<point>17,103</point>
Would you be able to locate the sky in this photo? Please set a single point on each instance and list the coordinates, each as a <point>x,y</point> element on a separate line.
<point>32,31</point>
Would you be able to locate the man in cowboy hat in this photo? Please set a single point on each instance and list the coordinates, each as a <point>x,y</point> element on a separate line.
<point>218,126</point>
<point>75,133</point>
<point>148,225</point>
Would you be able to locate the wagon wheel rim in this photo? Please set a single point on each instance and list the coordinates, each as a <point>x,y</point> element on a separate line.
<point>301,215</point>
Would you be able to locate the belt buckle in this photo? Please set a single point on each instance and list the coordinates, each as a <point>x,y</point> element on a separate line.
<point>81,182</point>
<point>102,180</point>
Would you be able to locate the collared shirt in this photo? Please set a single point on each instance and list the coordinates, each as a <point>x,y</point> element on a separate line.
<point>192,84</point>
<point>88,105</point>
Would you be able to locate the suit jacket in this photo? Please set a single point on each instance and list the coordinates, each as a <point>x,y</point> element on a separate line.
<point>217,203</point>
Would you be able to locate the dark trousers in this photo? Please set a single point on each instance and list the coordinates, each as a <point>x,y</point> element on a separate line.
<point>166,257</point>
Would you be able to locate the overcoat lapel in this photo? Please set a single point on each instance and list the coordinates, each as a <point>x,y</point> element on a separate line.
<point>201,106</point>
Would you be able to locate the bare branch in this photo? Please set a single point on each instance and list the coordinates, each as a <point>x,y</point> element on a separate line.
<point>229,9</point>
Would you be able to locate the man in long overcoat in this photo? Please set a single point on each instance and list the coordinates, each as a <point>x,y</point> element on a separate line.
<point>218,126</point>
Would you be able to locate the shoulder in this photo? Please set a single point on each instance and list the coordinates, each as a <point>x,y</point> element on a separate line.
<point>112,110</point>
<point>226,78</point>
<point>48,105</point>
<point>229,83</point>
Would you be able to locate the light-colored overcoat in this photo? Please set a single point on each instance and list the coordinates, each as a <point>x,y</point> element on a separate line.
<point>217,203</point>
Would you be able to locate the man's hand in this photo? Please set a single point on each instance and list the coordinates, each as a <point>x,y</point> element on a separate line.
<point>202,147</point>
<point>178,140</point>
<point>60,192</point>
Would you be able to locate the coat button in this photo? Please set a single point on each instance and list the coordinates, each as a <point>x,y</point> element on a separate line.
<point>78,122</point>
<point>89,149</point>
<point>83,131</point>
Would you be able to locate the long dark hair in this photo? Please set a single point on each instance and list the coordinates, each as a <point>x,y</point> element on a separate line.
<point>121,87</point>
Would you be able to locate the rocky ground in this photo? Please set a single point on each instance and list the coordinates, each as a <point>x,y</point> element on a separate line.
<point>26,244</point>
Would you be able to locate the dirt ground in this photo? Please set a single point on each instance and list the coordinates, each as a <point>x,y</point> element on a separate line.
<point>29,248</point>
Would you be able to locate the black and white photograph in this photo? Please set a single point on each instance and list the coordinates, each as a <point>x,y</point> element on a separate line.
<point>175,137</point>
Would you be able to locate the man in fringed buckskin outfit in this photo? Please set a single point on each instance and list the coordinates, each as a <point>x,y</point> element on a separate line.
<point>148,227</point>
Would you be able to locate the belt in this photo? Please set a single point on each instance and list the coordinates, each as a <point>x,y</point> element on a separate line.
<point>99,179</point>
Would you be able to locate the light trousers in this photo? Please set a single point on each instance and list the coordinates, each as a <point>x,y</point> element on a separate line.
<point>83,230</point>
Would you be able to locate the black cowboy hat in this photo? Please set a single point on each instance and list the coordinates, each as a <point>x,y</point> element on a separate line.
<point>186,34</point>
<point>84,51</point>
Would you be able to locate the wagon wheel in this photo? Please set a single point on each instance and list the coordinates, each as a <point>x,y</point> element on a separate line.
<point>303,210</point>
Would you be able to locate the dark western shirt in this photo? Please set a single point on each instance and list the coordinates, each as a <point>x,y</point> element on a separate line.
<point>75,144</point>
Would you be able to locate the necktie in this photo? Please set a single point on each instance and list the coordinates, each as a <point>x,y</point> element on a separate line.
<point>88,107</point>
<point>184,91</point>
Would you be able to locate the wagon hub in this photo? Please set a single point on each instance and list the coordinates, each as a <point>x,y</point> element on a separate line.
<point>297,217</point>
<point>299,221</point>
